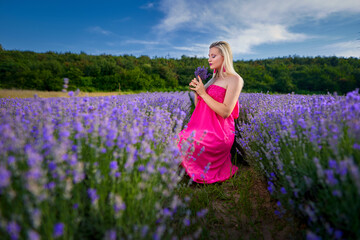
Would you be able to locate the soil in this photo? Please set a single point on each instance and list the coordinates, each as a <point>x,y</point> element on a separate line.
<point>247,211</point>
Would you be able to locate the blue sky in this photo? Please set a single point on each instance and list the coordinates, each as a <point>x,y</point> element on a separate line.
<point>256,29</point>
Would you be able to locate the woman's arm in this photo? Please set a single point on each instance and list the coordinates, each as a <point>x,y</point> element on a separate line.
<point>224,109</point>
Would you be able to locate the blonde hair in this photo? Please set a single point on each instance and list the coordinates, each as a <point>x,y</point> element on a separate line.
<point>227,64</point>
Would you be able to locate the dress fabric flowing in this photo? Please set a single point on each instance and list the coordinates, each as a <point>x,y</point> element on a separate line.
<point>206,142</point>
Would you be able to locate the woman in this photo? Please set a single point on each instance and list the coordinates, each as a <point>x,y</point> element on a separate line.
<point>206,142</point>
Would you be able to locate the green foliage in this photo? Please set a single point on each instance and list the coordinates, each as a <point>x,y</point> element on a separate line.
<point>43,71</point>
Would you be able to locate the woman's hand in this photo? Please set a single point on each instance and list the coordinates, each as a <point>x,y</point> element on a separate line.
<point>197,86</point>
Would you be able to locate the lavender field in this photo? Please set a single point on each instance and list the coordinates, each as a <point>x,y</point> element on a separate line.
<point>107,167</point>
<point>308,147</point>
<point>92,168</point>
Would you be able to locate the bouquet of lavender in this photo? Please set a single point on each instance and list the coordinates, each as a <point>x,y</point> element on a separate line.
<point>202,72</point>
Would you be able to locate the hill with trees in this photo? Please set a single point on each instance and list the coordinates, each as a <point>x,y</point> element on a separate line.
<point>46,71</point>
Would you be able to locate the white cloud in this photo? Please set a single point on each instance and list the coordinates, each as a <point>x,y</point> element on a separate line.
<point>344,49</point>
<point>177,13</point>
<point>242,41</point>
<point>200,50</point>
<point>148,6</point>
<point>246,24</point>
<point>141,42</point>
<point>131,41</point>
<point>99,30</point>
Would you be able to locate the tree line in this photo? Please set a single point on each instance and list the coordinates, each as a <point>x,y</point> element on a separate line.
<point>46,71</point>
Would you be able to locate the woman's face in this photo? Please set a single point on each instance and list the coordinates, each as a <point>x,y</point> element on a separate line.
<point>215,58</point>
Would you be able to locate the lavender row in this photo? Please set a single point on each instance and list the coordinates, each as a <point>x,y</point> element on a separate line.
<point>308,147</point>
<point>99,167</point>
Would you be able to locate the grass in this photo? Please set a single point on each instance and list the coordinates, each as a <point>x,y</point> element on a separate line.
<point>240,208</point>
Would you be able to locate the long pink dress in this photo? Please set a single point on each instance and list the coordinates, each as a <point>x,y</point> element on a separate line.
<point>206,142</point>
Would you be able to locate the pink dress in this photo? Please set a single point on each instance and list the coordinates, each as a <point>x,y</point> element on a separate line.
<point>206,142</point>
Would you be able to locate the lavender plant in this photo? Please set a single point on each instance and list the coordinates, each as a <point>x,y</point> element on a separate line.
<point>308,148</point>
<point>85,168</point>
<point>204,75</point>
<point>202,72</point>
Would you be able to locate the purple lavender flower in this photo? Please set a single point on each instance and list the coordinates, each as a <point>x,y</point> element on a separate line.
<point>271,187</point>
<point>114,165</point>
<point>167,212</point>
<point>92,194</point>
<point>338,234</point>
<point>118,206</point>
<point>162,170</point>
<point>202,213</point>
<point>4,177</point>
<point>32,235</point>
<point>51,185</point>
<point>11,160</point>
<point>144,231</point>
<point>13,229</point>
<point>141,168</point>
<point>58,230</point>
<point>331,180</point>
<point>336,193</point>
<point>186,221</point>
<point>356,146</point>
<point>332,164</point>
<point>312,236</point>
<point>272,176</point>
<point>110,235</point>
<point>202,72</point>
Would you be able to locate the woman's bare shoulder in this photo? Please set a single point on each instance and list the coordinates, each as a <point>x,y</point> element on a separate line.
<point>235,79</point>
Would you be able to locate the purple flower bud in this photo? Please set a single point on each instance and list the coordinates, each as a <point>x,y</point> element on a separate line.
<point>4,177</point>
<point>331,180</point>
<point>50,185</point>
<point>13,229</point>
<point>32,235</point>
<point>166,212</point>
<point>312,236</point>
<point>114,165</point>
<point>202,213</point>
<point>92,194</point>
<point>338,234</point>
<point>52,166</point>
<point>332,164</point>
<point>162,170</point>
<point>202,72</point>
<point>270,187</point>
<point>144,231</point>
<point>110,235</point>
<point>186,221</point>
<point>11,160</point>
<point>356,146</point>
<point>58,230</point>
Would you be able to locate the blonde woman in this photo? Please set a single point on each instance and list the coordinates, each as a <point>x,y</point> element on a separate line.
<point>206,142</point>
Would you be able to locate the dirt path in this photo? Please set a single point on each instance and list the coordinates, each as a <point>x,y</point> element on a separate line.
<point>242,208</point>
